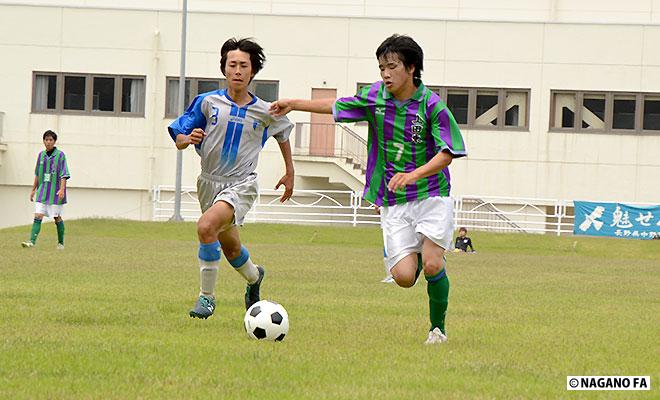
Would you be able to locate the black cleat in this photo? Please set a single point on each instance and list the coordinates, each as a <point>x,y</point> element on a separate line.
<point>252,291</point>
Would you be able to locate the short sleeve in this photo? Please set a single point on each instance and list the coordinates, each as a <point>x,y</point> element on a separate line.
<point>356,108</point>
<point>192,118</point>
<point>63,168</point>
<point>280,129</point>
<point>446,133</point>
<point>36,167</point>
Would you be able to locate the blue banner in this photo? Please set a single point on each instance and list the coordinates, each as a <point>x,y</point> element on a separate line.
<point>616,219</point>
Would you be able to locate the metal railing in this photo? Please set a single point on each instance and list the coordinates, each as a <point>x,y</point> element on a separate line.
<point>510,214</point>
<point>345,207</point>
<point>331,140</point>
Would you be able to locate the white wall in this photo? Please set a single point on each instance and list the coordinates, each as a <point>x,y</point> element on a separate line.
<point>525,48</point>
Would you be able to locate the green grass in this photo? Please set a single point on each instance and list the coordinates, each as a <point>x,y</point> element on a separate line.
<point>107,317</point>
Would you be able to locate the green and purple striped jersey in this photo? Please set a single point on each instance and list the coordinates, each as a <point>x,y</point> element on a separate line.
<point>49,171</point>
<point>402,137</point>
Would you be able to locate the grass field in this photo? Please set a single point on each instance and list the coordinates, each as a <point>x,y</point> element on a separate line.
<point>107,318</point>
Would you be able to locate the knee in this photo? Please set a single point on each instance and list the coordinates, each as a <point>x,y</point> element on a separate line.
<point>433,265</point>
<point>405,283</point>
<point>403,280</point>
<point>206,230</point>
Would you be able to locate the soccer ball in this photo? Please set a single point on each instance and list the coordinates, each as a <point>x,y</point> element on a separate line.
<point>266,320</point>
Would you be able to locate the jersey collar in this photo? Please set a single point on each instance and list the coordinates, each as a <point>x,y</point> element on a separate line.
<point>254,98</point>
<point>417,96</point>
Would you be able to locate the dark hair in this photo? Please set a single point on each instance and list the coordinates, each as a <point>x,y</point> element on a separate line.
<point>462,229</point>
<point>248,45</point>
<point>408,51</point>
<point>51,134</point>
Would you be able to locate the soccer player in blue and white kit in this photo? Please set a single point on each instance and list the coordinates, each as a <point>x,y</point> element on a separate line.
<point>228,128</point>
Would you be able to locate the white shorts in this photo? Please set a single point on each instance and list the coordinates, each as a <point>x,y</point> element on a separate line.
<point>240,194</point>
<point>405,225</point>
<point>49,210</point>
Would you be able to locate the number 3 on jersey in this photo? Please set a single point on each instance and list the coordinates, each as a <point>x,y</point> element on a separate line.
<point>214,117</point>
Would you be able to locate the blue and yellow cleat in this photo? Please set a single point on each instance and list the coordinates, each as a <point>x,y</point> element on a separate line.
<point>203,308</point>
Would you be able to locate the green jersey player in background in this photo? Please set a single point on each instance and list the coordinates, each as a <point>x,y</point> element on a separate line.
<point>49,186</point>
<point>228,128</point>
<point>413,138</point>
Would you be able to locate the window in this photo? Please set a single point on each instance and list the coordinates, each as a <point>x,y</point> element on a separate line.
<point>265,90</point>
<point>74,92</point>
<point>103,94</point>
<point>132,95</point>
<point>515,109</point>
<point>564,110</point>
<point>652,113</point>
<point>88,94</point>
<point>624,112</point>
<point>593,111</point>
<point>488,108</point>
<point>457,101</point>
<point>605,112</point>
<point>45,92</point>
<point>484,108</point>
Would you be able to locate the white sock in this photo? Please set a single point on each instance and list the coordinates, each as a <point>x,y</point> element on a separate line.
<point>208,274</point>
<point>249,271</point>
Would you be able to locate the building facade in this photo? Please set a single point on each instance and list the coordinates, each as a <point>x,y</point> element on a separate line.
<point>557,99</point>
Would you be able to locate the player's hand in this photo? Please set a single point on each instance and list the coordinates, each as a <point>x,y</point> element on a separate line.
<point>196,136</point>
<point>60,194</point>
<point>281,107</point>
<point>377,209</point>
<point>287,181</point>
<point>32,195</point>
<point>400,180</point>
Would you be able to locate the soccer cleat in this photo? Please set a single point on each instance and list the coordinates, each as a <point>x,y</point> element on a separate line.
<point>252,291</point>
<point>436,337</point>
<point>60,246</point>
<point>27,244</point>
<point>203,308</point>
<point>388,279</point>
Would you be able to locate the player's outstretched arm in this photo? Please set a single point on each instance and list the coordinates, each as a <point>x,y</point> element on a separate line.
<point>195,137</point>
<point>284,106</point>
<point>288,178</point>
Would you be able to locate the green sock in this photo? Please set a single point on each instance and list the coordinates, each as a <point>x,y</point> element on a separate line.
<point>36,228</point>
<point>438,290</point>
<point>60,232</point>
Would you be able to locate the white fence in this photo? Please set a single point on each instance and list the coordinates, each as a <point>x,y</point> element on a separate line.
<point>498,214</point>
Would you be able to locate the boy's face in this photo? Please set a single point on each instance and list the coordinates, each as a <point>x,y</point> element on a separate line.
<point>238,70</point>
<point>461,233</point>
<point>394,73</point>
<point>49,142</point>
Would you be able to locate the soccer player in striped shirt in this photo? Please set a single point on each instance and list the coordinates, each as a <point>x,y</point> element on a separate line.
<point>49,186</point>
<point>228,129</point>
<point>413,138</point>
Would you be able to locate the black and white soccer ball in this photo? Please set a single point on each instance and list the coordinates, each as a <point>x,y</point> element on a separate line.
<point>266,320</point>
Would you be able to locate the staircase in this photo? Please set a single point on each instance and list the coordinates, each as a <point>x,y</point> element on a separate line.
<point>331,151</point>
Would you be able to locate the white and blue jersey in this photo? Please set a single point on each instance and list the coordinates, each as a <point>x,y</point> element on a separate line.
<point>234,135</point>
